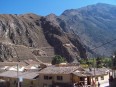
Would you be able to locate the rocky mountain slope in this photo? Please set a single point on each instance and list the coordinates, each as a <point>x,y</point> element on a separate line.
<point>73,34</point>
<point>94,24</point>
<point>30,36</point>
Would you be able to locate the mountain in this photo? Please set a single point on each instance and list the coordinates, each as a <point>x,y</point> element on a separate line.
<point>94,24</point>
<point>76,33</point>
<point>30,36</point>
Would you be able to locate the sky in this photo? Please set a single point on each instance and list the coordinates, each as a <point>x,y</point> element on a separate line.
<point>45,7</point>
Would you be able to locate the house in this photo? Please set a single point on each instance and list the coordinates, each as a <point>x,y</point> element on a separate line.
<point>57,76</point>
<point>100,75</point>
<point>82,77</point>
<point>70,75</point>
<point>26,79</point>
<point>62,76</point>
<point>26,72</point>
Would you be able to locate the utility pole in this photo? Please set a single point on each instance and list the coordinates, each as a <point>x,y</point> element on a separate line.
<point>94,80</point>
<point>18,76</point>
<point>94,69</point>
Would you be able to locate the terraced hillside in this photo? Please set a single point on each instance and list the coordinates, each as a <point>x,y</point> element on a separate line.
<point>30,36</point>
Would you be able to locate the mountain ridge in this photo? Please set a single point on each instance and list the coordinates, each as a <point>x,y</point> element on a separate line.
<point>94,24</point>
<point>74,34</point>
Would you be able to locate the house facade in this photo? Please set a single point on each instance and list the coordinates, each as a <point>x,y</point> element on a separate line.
<point>57,76</point>
<point>71,76</point>
<point>52,80</point>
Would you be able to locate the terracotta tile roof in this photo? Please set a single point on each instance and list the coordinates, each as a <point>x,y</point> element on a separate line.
<point>59,69</point>
<point>99,71</point>
<point>82,74</point>
<point>9,74</point>
<point>29,75</point>
<point>25,75</point>
<point>87,72</point>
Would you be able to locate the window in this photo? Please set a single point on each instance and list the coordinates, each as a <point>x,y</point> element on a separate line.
<point>50,77</point>
<point>59,78</point>
<point>102,77</point>
<point>47,77</point>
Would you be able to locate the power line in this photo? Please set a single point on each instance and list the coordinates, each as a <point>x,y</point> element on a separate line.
<point>104,44</point>
<point>99,47</point>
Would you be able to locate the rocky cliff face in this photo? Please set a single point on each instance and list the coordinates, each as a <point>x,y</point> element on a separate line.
<point>94,24</point>
<point>34,37</point>
<point>63,42</point>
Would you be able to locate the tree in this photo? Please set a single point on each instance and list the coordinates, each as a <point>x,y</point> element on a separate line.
<point>82,61</point>
<point>107,62</point>
<point>99,62</point>
<point>58,59</point>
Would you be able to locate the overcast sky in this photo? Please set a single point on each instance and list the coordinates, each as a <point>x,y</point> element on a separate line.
<point>45,7</point>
